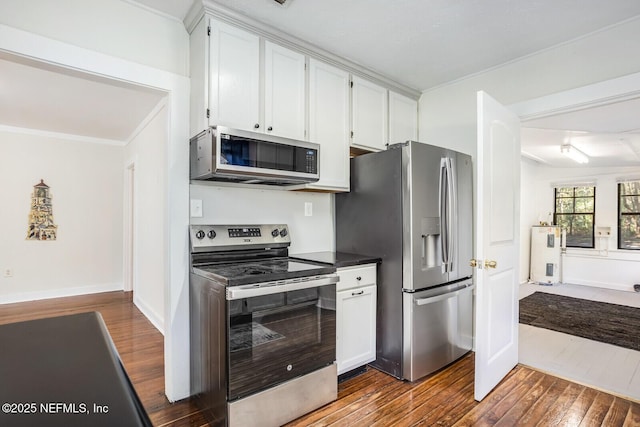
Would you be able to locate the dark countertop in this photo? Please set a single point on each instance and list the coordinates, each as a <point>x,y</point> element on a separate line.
<point>65,371</point>
<point>337,259</point>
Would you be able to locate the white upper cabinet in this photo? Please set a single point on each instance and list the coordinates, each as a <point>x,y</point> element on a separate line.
<point>236,98</point>
<point>329,123</point>
<point>369,115</point>
<point>403,118</point>
<point>234,73</point>
<point>284,90</point>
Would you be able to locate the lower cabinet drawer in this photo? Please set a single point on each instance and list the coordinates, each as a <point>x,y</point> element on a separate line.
<point>354,277</point>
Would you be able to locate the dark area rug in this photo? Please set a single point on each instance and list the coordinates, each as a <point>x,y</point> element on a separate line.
<point>599,321</point>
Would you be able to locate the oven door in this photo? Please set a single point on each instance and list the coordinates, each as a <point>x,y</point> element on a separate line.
<point>279,333</point>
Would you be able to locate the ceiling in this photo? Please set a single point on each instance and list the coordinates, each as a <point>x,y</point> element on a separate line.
<point>418,43</point>
<point>609,135</point>
<point>54,99</point>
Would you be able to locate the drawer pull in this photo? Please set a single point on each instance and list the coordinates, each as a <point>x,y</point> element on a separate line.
<point>359,278</point>
<point>353,294</point>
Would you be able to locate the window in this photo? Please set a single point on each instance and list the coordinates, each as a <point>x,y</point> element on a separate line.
<point>575,212</point>
<point>629,215</point>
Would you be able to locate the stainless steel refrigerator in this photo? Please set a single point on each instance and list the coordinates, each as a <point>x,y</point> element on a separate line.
<point>412,205</point>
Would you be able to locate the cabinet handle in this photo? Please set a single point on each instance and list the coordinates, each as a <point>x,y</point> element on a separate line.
<point>257,125</point>
<point>357,293</point>
<point>270,128</point>
<point>358,278</point>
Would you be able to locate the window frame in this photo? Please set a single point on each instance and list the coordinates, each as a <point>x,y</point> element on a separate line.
<point>620,214</point>
<point>593,214</point>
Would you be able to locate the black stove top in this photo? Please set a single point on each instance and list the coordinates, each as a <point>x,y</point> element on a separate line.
<point>262,270</point>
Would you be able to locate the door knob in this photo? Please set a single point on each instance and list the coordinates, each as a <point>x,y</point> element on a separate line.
<point>473,263</point>
<point>490,264</point>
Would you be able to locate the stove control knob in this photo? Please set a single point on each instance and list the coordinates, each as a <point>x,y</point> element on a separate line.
<point>275,232</point>
<point>211,234</point>
<point>283,232</point>
<point>200,234</point>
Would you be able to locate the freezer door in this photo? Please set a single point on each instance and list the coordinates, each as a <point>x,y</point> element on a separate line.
<point>438,328</point>
<point>425,222</point>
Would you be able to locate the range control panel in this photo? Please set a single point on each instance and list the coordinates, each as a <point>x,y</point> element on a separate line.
<point>245,232</point>
<point>209,238</point>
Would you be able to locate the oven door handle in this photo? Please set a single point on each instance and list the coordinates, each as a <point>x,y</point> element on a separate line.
<point>269,288</point>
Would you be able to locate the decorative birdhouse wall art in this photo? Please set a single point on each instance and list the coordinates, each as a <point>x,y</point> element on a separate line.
<point>41,225</point>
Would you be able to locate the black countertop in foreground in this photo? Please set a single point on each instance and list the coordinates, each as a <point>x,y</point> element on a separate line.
<point>65,371</point>
<point>337,259</point>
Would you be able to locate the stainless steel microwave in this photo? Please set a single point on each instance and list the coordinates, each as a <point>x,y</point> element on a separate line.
<point>233,155</point>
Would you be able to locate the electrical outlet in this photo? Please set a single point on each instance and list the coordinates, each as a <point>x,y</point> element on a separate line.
<point>8,272</point>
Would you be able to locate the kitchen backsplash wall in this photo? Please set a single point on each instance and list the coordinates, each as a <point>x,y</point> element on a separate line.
<point>239,205</point>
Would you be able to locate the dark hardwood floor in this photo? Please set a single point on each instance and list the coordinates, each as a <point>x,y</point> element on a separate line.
<point>524,398</point>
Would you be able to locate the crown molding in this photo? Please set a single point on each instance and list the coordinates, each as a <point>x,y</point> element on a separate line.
<point>61,136</point>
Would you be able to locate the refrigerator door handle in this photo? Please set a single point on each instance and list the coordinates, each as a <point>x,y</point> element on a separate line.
<point>431,300</point>
<point>453,213</point>
<point>442,190</point>
<point>444,296</point>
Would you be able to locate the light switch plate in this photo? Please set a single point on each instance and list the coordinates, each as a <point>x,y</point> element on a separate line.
<point>196,208</point>
<point>308,209</point>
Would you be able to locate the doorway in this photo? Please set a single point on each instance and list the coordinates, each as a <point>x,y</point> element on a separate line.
<point>118,71</point>
<point>602,108</point>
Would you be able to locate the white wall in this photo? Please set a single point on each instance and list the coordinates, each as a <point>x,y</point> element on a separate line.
<point>112,27</point>
<point>235,205</point>
<point>605,266</point>
<point>86,186</point>
<point>147,154</point>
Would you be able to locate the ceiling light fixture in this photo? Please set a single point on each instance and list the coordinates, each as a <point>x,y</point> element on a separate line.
<point>573,153</point>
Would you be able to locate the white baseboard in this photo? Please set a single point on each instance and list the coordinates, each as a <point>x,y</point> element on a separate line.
<point>149,313</point>
<point>59,293</point>
<point>607,285</point>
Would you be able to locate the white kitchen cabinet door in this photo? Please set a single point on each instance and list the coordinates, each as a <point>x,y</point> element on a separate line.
<point>403,118</point>
<point>234,63</point>
<point>356,330</point>
<point>329,124</point>
<point>284,92</point>
<point>369,115</point>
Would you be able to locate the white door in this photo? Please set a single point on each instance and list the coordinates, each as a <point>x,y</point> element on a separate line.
<point>497,243</point>
<point>356,327</point>
<point>369,115</point>
<point>329,123</point>
<point>284,87</point>
<point>403,118</point>
<point>235,77</point>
